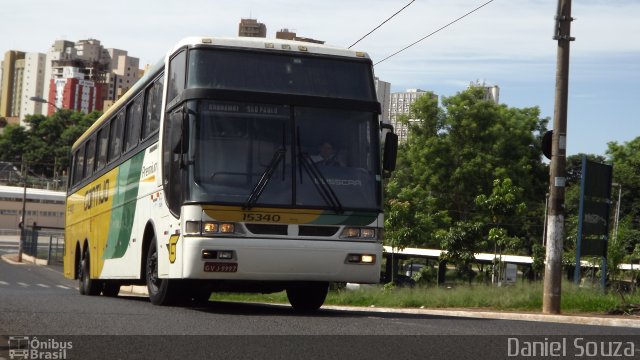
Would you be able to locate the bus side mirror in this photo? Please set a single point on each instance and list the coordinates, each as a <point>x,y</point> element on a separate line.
<point>390,152</point>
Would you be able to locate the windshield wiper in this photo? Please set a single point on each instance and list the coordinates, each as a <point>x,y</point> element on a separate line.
<point>319,181</point>
<point>259,187</point>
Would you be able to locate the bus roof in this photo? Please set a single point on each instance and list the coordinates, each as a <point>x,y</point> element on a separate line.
<point>270,44</point>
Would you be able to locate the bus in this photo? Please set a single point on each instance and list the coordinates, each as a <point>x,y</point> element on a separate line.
<point>204,177</point>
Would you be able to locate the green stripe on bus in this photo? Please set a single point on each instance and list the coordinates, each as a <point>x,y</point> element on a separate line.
<point>124,207</point>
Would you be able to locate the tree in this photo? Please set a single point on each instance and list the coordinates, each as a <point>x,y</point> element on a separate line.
<point>13,142</point>
<point>452,154</point>
<point>46,144</point>
<point>503,204</point>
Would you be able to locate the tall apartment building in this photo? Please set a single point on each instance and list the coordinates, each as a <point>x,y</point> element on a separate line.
<point>252,28</point>
<point>400,104</point>
<point>11,68</point>
<point>32,85</point>
<point>492,93</point>
<point>102,75</point>
<point>72,75</point>
<point>123,73</point>
<point>23,78</point>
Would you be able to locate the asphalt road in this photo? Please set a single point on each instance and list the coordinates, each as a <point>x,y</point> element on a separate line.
<point>39,301</point>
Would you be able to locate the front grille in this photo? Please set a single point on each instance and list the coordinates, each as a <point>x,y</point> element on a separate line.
<point>325,231</point>
<point>267,229</point>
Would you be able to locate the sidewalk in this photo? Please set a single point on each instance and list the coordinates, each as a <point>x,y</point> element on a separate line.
<point>581,319</point>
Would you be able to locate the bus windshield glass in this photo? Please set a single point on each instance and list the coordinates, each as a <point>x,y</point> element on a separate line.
<point>278,155</point>
<point>280,73</point>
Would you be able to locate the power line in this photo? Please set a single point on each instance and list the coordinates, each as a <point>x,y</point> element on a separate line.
<point>376,28</point>
<point>435,32</point>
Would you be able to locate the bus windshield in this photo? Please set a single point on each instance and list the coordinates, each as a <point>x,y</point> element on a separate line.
<point>279,155</point>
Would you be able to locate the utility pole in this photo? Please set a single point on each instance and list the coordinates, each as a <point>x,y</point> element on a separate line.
<point>25,170</point>
<point>557,181</point>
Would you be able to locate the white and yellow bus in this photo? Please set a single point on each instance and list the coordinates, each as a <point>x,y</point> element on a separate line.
<point>236,164</point>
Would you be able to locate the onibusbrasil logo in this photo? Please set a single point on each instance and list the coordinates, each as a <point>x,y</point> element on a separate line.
<point>32,347</point>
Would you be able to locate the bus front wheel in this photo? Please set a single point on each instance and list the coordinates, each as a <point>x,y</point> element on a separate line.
<point>308,296</point>
<point>161,291</point>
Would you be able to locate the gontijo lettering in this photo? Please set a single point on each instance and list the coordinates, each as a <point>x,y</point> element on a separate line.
<point>96,195</point>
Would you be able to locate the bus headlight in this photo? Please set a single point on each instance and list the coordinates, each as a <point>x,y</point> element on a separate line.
<point>358,233</point>
<point>209,228</point>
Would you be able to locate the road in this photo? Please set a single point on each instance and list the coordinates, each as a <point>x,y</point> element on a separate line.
<point>38,300</point>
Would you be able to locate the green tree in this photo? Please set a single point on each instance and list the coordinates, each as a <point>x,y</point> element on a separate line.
<point>452,154</point>
<point>47,141</point>
<point>503,205</point>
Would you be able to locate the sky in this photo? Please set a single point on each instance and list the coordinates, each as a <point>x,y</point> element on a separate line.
<point>507,43</point>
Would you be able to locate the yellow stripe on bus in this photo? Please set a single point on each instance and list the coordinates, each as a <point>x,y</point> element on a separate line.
<point>267,215</point>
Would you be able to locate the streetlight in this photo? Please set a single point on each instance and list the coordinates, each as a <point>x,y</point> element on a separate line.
<point>44,101</point>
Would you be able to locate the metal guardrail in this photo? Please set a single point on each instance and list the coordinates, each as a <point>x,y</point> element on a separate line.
<point>46,245</point>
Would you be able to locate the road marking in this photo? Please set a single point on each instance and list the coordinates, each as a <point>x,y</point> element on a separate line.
<point>63,287</point>
<point>4,283</point>
<point>43,285</point>
<point>23,284</point>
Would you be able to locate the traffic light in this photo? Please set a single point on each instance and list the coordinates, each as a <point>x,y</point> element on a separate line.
<point>546,144</point>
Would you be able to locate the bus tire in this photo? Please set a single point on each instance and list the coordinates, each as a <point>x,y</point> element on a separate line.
<point>161,291</point>
<point>87,285</point>
<point>308,296</point>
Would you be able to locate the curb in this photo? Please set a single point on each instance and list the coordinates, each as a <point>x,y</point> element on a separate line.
<point>563,319</point>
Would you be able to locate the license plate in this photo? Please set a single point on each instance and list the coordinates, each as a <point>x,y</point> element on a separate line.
<point>220,267</point>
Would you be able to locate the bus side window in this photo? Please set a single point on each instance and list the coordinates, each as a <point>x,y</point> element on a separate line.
<point>153,109</point>
<point>79,165</point>
<point>90,157</point>
<point>73,169</point>
<point>103,147</point>
<point>177,75</point>
<point>115,137</point>
<point>134,121</point>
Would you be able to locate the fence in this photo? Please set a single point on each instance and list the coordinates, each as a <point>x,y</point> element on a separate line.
<point>44,244</point>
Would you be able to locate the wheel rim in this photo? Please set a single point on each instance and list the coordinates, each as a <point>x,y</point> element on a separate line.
<point>152,271</point>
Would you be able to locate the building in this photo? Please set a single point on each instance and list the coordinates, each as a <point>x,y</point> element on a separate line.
<point>85,75</point>
<point>44,207</point>
<point>285,34</point>
<point>400,105</point>
<point>73,75</point>
<point>12,66</point>
<point>32,85</point>
<point>74,93</point>
<point>383,92</point>
<point>23,78</point>
<point>252,28</point>
<point>123,73</point>
<point>492,93</point>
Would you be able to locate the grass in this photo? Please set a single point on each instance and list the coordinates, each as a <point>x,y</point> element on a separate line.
<point>520,297</point>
